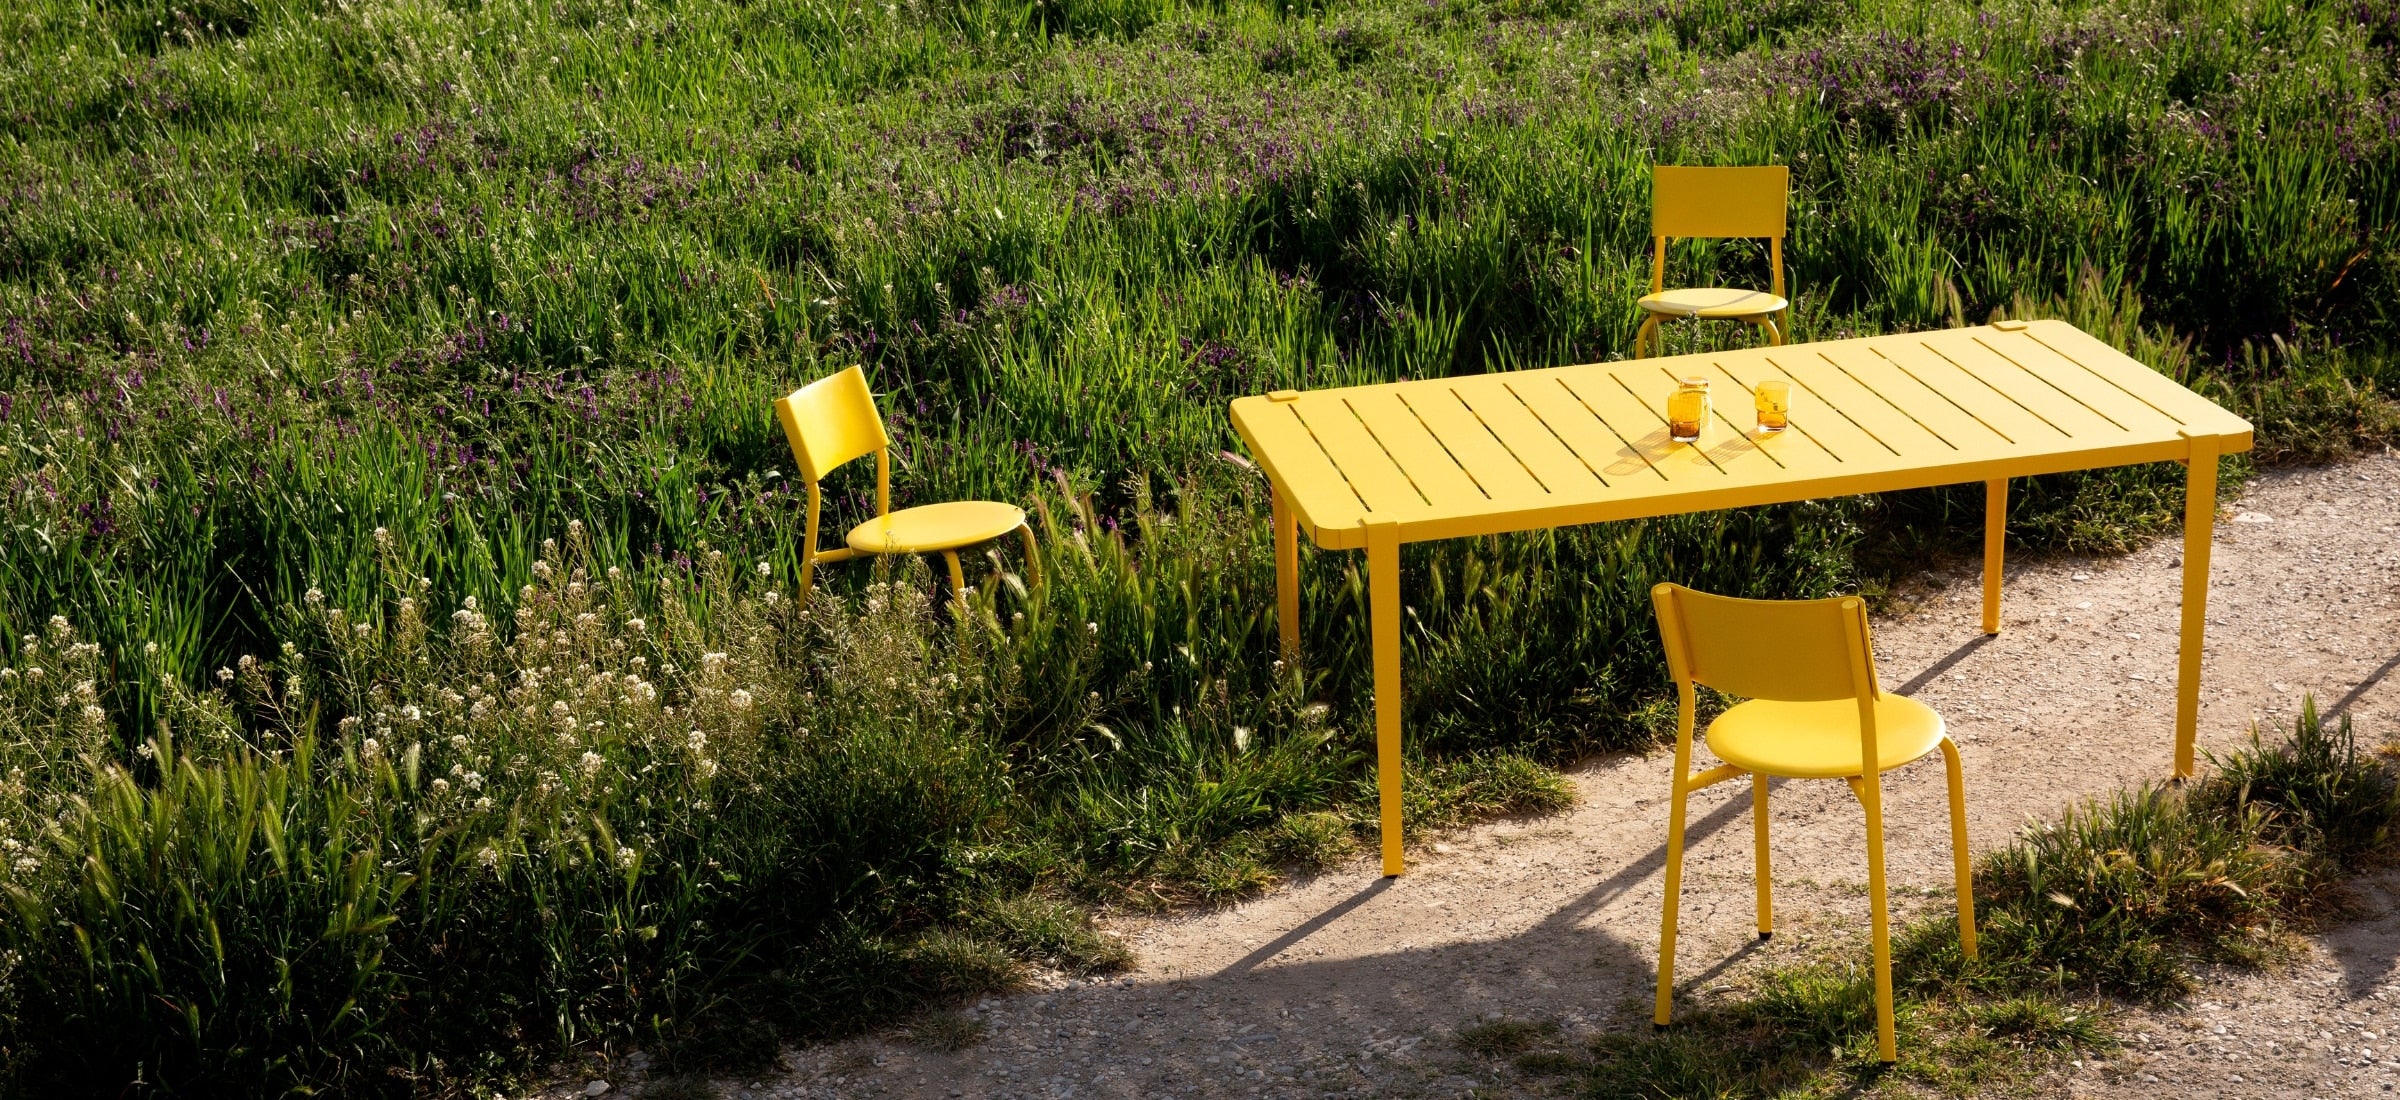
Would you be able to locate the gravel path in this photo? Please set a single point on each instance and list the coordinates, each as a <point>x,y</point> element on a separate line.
<point>1352,985</point>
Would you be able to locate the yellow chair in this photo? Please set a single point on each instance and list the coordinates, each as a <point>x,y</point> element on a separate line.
<point>1716,202</point>
<point>1814,712</point>
<point>833,420</point>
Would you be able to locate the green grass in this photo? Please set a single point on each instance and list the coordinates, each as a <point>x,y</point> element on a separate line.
<point>368,300</point>
<point>2112,903</point>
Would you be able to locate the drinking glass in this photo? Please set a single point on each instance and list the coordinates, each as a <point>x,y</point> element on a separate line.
<point>1774,406</point>
<point>1687,410</point>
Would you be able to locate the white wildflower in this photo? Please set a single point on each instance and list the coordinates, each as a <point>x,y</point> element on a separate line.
<point>626,858</point>
<point>740,699</point>
<point>591,764</point>
<point>765,570</point>
<point>697,740</point>
<point>441,787</point>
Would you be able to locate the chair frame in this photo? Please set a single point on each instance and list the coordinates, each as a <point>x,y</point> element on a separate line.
<point>830,388</point>
<point>1866,787</point>
<point>1674,223</point>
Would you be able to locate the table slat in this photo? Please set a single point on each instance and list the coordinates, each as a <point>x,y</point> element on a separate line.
<point>1971,395</point>
<point>1935,413</point>
<point>2156,390</point>
<point>1819,421</point>
<point>1300,467</point>
<point>2085,427</point>
<point>1614,460</point>
<point>1527,436</point>
<point>1362,460</point>
<point>1796,453</point>
<point>1427,463</point>
<point>1491,464</point>
<point>1900,438</point>
<point>2094,392</point>
<point>1643,424</point>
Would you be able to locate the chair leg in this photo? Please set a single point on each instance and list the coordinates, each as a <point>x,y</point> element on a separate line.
<point>1958,848</point>
<point>1775,327</point>
<point>1766,881</point>
<point>1666,928</point>
<point>1033,555</point>
<point>1870,796</point>
<point>1648,331</point>
<point>958,578</point>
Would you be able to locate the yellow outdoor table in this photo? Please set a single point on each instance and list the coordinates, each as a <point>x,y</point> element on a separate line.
<point>1375,466</point>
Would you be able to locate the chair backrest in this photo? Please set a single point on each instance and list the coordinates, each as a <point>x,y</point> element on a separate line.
<point>1795,651</point>
<point>831,421</point>
<point>1719,202</point>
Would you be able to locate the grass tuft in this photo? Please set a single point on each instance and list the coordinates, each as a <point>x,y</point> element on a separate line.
<point>1507,1035</point>
<point>947,1031</point>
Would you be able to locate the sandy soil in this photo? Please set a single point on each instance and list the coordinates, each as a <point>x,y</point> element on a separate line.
<point>1350,984</point>
<point>2327,1026</point>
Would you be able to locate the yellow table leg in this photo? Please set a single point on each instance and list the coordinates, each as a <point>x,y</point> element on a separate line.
<point>1383,598</point>
<point>2199,528</point>
<point>1287,577</point>
<point>1995,532</point>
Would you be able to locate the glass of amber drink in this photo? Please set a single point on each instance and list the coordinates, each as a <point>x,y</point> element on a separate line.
<point>1687,410</point>
<point>1774,406</point>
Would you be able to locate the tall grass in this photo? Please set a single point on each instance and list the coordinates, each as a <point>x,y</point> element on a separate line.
<point>309,306</point>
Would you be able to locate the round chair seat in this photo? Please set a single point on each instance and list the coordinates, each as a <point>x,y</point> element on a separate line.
<point>1712,303</point>
<point>932,527</point>
<point>1820,740</point>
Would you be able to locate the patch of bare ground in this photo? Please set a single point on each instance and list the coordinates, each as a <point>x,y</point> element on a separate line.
<point>1348,984</point>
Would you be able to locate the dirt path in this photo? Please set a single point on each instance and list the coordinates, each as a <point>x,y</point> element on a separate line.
<point>2328,1026</point>
<point>1349,984</point>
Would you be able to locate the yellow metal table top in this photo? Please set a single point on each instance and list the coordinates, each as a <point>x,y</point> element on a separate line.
<point>1451,457</point>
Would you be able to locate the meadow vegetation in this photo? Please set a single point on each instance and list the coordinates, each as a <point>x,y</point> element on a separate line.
<point>404,677</point>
